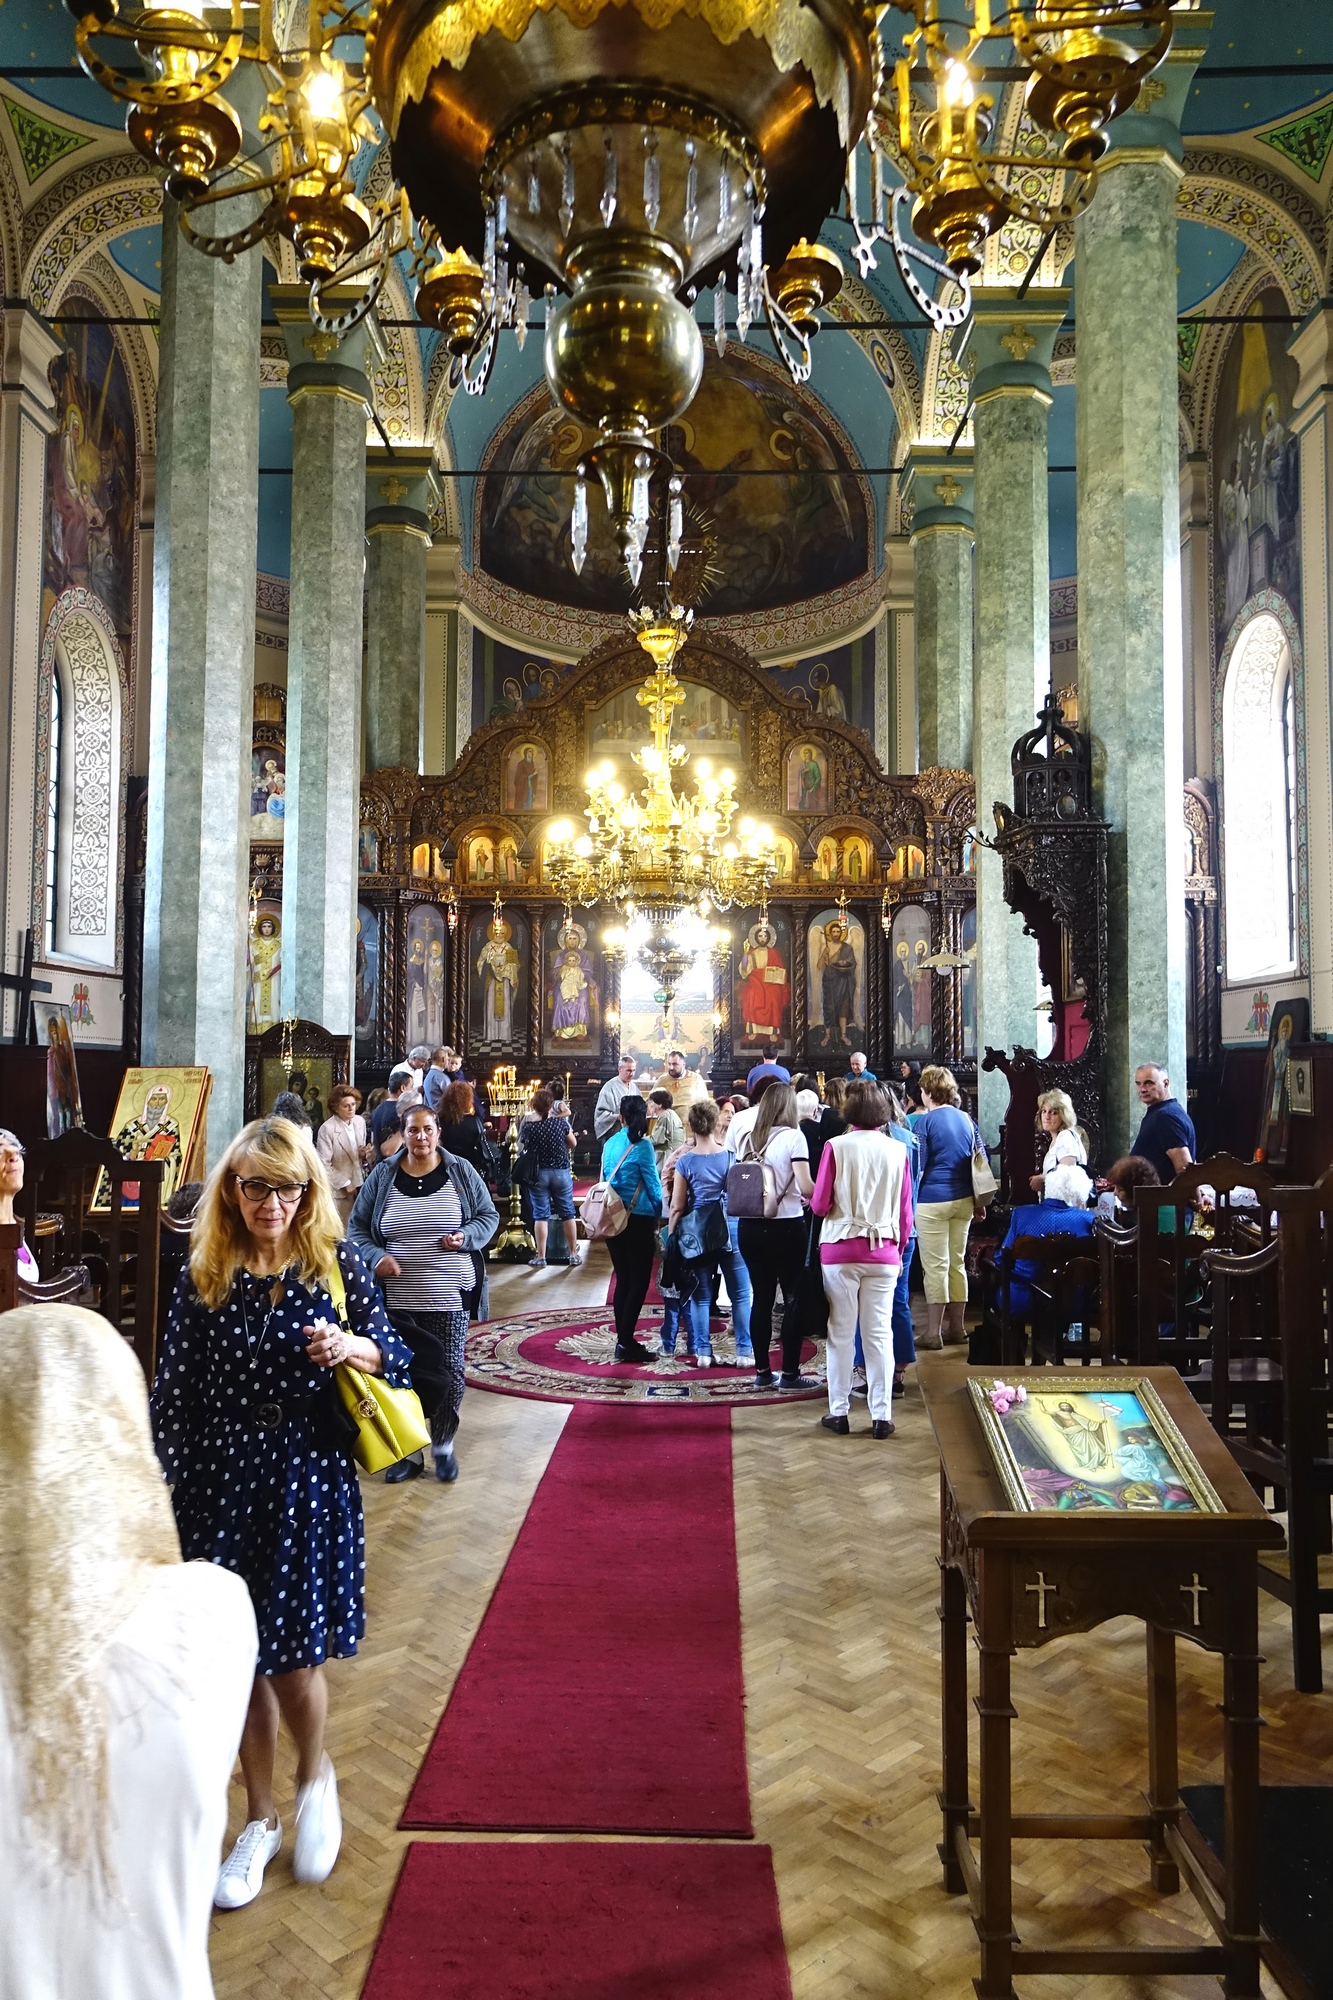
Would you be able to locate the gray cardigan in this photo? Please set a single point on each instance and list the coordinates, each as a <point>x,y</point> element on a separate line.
<point>480,1219</point>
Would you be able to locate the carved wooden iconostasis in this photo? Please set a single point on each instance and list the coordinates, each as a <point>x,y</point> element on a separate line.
<point>540,994</point>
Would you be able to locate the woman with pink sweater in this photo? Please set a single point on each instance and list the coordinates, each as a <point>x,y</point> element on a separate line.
<point>863,1191</point>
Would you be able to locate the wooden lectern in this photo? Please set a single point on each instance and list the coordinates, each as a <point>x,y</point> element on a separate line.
<point>1028,1575</point>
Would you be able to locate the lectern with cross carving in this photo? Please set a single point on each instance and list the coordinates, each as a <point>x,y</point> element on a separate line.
<point>1027,1578</point>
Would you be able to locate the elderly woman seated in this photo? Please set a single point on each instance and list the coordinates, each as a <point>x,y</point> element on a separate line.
<point>1062,1211</point>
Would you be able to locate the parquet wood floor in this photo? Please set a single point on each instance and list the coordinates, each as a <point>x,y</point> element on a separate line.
<point>837,1540</point>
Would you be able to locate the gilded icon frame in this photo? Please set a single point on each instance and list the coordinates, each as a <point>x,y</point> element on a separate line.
<point>1167,1445</point>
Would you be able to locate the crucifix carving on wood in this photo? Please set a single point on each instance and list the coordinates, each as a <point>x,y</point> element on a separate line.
<point>1194,1590</point>
<point>1041,1590</point>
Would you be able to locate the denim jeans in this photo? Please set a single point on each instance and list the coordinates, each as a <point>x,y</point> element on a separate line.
<point>552,1194</point>
<point>736,1274</point>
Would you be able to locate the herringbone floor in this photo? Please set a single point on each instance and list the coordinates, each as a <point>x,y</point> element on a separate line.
<point>837,1540</point>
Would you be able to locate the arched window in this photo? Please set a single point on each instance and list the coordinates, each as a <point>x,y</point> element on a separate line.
<point>1259,803</point>
<point>84,800</point>
<point>53,791</point>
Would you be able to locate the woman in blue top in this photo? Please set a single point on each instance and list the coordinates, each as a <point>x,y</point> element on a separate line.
<point>630,1165</point>
<point>701,1180</point>
<point>944,1205</point>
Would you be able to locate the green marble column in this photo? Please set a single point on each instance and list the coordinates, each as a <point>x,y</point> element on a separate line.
<point>330,397</point>
<point>1129,588</point>
<point>198,861</point>
<point>401,492</point>
<point>942,544</point>
<point>1312,347</point>
<point>1012,343</point>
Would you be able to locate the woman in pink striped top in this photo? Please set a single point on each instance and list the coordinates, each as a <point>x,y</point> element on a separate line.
<point>863,1191</point>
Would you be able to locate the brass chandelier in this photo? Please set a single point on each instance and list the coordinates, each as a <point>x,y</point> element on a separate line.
<point>660,853</point>
<point>613,157</point>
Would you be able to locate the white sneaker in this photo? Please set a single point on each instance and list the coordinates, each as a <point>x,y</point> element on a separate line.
<point>242,1874</point>
<point>319,1827</point>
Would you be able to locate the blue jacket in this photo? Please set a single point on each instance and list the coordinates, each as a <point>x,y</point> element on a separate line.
<point>480,1219</point>
<point>913,1145</point>
<point>1045,1218</point>
<point>946,1137</point>
<point>632,1172</point>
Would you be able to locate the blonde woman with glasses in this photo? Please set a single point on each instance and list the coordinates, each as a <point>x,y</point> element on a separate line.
<point>263,1481</point>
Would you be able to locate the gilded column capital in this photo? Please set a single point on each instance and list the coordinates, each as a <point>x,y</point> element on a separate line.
<point>402,490</point>
<point>1013,339</point>
<point>937,484</point>
<point>319,363</point>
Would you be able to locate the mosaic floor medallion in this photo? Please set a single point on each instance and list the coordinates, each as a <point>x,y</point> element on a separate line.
<point>569,1356</point>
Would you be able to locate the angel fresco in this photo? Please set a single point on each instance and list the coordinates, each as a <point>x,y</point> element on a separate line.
<point>91,472</point>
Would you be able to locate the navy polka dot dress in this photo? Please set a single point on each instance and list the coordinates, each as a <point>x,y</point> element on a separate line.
<point>260,1485</point>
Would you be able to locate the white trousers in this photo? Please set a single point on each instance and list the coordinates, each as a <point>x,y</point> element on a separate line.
<point>864,1292</point>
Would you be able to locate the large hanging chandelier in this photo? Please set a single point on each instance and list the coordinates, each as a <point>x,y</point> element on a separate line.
<point>614,157</point>
<point>658,852</point>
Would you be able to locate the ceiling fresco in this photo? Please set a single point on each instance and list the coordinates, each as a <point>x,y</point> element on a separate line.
<point>767,464</point>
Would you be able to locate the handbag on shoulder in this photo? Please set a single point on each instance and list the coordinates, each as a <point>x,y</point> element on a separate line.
<point>985,1187</point>
<point>389,1422</point>
<point>703,1232</point>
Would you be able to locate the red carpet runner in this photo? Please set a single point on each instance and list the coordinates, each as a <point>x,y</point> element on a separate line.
<point>577,1920</point>
<point>603,1693</point>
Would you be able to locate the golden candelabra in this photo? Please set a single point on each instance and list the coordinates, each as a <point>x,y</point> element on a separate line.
<point>508,1098</point>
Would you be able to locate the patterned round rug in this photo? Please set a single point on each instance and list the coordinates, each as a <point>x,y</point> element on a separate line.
<point>569,1357</point>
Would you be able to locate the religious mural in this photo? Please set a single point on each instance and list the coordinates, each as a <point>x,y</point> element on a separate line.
<point>910,993</point>
<point>91,472</point>
<point>839,683</point>
<point>835,985</point>
<point>367,851</point>
<point>808,788</point>
<point>706,723</point>
<point>761,990</point>
<point>504,679</point>
<point>497,956</point>
<point>571,1000</point>
<point>797,531</point>
<point>646,1036</point>
<point>367,977</point>
<point>268,763</point>
<point>1257,531</point>
<point>264,1008</point>
<point>527,779</point>
<point>424,976</point>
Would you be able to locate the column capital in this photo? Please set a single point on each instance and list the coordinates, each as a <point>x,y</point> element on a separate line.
<point>1311,347</point>
<point>1013,339</point>
<point>939,485</point>
<point>329,364</point>
<point>27,349</point>
<point>402,490</point>
<point>1150,130</point>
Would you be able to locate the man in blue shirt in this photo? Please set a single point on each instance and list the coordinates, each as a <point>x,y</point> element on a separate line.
<point>857,1071</point>
<point>1166,1136</point>
<point>766,1067</point>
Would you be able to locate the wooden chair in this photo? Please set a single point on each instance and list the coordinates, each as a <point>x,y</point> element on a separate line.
<point>172,1257</point>
<point>1064,1291</point>
<point>1117,1303</point>
<point>72,1286</point>
<point>117,1244</point>
<point>1174,1319</point>
<point>1244,1366</point>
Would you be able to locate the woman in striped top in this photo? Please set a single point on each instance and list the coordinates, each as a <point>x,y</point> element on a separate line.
<point>416,1221</point>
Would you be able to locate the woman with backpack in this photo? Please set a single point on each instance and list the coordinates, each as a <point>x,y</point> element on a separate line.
<point>629,1165</point>
<point>773,1230</point>
<point>698,1222</point>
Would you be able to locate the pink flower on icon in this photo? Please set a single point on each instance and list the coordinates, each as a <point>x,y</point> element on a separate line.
<point>1004,1395</point>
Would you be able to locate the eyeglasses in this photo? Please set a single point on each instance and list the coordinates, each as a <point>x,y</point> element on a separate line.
<point>13,1153</point>
<point>259,1191</point>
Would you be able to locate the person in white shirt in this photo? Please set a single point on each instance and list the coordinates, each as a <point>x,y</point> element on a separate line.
<point>1059,1121</point>
<point>125,1676</point>
<point>606,1111</point>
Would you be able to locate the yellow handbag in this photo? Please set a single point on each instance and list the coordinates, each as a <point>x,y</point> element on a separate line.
<point>389,1422</point>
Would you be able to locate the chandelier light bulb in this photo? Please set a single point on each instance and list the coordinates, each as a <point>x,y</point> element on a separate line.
<point>583,847</point>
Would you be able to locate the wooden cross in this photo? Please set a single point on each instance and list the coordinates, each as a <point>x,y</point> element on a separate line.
<point>1194,1591</point>
<point>948,489</point>
<point>1018,341</point>
<point>24,985</point>
<point>1041,1590</point>
<point>393,490</point>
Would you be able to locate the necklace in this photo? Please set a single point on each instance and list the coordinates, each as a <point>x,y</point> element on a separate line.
<point>255,1348</point>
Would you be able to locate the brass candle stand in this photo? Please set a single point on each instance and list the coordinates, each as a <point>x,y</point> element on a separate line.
<point>509,1099</point>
